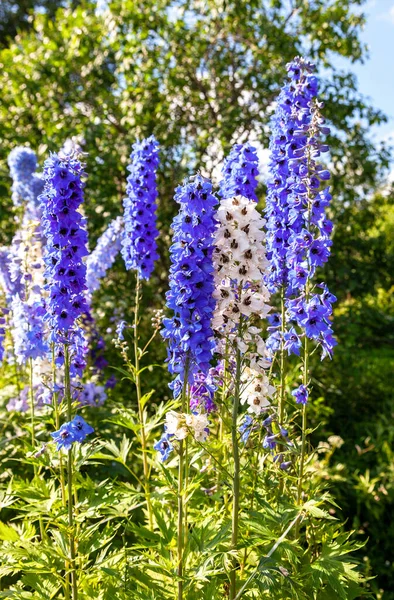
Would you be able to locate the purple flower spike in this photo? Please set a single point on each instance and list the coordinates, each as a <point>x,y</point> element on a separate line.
<point>188,331</point>
<point>139,248</point>
<point>66,238</point>
<point>240,172</point>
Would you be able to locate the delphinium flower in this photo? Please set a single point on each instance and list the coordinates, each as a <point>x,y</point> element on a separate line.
<point>104,254</point>
<point>298,229</point>
<point>28,331</point>
<point>256,391</point>
<point>92,394</point>
<point>240,173</point>
<point>282,220</point>
<point>299,232</point>
<point>203,389</point>
<point>27,184</point>
<point>180,425</point>
<point>164,446</point>
<point>66,246</point>
<point>73,431</point>
<point>2,333</point>
<point>139,248</point>
<point>21,402</point>
<point>190,298</point>
<point>240,292</point>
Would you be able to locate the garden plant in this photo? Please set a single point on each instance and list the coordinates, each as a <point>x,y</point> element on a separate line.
<point>216,489</point>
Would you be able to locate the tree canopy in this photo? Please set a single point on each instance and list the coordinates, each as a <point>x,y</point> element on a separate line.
<point>199,75</point>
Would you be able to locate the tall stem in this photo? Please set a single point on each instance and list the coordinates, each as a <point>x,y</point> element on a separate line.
<point>305,381</point>
<point>33,438</point>
<point>305,375</point>
<point>281,406</point>
<point>67,391</point>
<point>182,466</point>
<point>55,401</point>
<point>31,395</point>
<point>234,437</point>
<point>140,407</point>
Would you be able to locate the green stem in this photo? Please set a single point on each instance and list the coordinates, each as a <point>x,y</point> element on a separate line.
<point>181,472</point>
<point>236,489</point>
<point>305,381</point>
<point>67,392</point>
<point>61,466</point>
<point>222,445</point>
<point>282,360</point>
<point>31,394</point>
<point>140,407</point>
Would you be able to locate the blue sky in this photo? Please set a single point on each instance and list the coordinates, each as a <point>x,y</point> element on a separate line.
<point>376,76</point>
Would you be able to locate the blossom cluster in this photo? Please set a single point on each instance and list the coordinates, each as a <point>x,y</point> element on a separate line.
<point>240,264</point>
<point>66,246</point>
<point>240,173</point>
<point>103,256</point>
<point>2,332</point>
<point>178,426</point>
<point>298,238</point>
<point>139,248</point>
<point>28,331</point>
<point>73,431</point>
<point>27,185</point>
<point>188,331</point>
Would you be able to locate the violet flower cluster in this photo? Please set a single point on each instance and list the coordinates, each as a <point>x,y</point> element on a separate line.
<point>298,238</point>
<point>2,332</point>
<point>27,185</point>
<point>103,256</point>
<point>190,297</point>
<point>71,432</point>
<point>139,248</point>
<point>28,329</point>
<point>66,246</point>
<point>240,173</point>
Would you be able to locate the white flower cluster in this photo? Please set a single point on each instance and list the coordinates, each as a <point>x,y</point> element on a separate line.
<point>180,425</point>
<point>256,390</point>
<point>240,264</point>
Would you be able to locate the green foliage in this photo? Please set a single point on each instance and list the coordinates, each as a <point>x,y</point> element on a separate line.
<point>201,76</point>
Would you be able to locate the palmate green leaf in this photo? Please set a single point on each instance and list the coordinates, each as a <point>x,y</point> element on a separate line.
<point>311,507</point>
<point>146,397</point>
<point>126,374</point>
<point>93,538</point>
<point>8,533</point>
<point>125,421</point>
<point>167,530</point>
<point>16,595</point>
<point>62,542</point>
<point>141,577</point>
<point>45,587</point>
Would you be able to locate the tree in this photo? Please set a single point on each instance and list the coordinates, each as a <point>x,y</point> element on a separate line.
<point>201,76</point>
<point>16,16</point>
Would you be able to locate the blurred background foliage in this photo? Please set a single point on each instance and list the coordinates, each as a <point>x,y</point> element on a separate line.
<point>201,76</point>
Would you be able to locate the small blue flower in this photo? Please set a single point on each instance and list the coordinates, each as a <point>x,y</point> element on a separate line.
<point>269,442</point>
<point>120,327</point>
<point>246,428</point>
<point>301,394</point>
<point>164,446</point>
<point>292,342</point>
<point>80,428</point>
<point>64,437</point>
